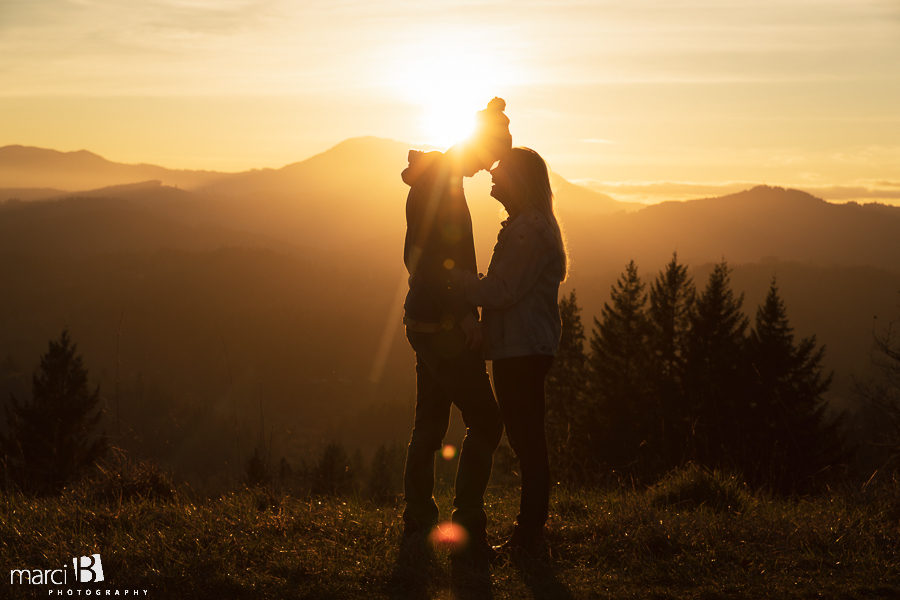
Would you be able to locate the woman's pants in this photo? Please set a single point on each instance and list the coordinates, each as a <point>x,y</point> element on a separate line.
<point>519,385</point>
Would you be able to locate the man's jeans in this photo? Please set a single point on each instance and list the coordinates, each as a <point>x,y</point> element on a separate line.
<point>447,372</point>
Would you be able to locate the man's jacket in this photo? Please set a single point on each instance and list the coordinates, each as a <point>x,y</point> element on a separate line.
<point>438,238</point>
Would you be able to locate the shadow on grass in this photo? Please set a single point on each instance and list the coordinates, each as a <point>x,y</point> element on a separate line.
<point>414,571</point>
<point>539,576</point>
<point>470,579</point>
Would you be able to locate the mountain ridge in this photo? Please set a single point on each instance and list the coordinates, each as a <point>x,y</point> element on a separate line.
<point>380,157</point>
<point>19,156</point>
<point>290,296</point>
<point>21,176</point>
<point>31,166</point>
<point>351,196</point>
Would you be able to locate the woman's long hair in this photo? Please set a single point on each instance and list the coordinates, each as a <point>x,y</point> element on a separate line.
<point>533,178</point>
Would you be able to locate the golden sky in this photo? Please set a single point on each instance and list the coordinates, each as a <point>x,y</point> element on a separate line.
<point>624,96</point>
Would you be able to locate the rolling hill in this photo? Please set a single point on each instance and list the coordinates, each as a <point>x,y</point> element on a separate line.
<point>30,167</point>
<point>279,291</point>
<point>763,222</point>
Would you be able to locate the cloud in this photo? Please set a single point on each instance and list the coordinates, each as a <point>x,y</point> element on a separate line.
<point>660,191</point>
<point>846,193</point>
<point>218,17</point>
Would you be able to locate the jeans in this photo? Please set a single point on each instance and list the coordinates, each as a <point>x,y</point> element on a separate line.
<point>447,372</point>
<point>519,383</point>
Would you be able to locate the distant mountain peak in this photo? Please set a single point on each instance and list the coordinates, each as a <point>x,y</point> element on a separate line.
<point>86,154</point>
<point>367,141</point>
<point>766,188</point>
<point>31,152</point>
<point>774,189</point>
<point>151,184</point>
<point>771,195</point>
<point>33,167</point>
<point>792,194</point>
<point>363,148</point>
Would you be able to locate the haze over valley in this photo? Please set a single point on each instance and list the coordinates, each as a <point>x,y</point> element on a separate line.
<point>223,305</point>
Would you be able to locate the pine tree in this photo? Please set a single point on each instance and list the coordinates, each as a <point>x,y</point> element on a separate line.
<point>570,419</point>
<point>50,439</point>
<point>671,300</point>
<point>788,438</point>
<point>618,365</point>
<point>385,473</point>
<point>880,412</point>
<point>333,473</point>
<point>357,471</point>
<point>257,471</point>
<point>715,372</point>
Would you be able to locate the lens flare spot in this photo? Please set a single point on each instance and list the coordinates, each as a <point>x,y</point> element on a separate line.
<point>449,263</point>
<point>448,452</point>
<point>448,535</point>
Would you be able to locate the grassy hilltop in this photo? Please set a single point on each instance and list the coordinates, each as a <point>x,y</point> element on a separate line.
<point>696,534</point>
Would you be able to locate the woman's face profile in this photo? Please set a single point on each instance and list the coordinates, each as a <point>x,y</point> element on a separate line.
<point>500,178</point>
<point>506,187</point>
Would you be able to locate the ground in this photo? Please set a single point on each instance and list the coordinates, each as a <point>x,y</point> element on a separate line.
<point>698,535</point>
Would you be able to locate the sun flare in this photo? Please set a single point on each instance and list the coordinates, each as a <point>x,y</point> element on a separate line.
<point>446,120</point>
<point>448,79</point>
<point>449,89</point>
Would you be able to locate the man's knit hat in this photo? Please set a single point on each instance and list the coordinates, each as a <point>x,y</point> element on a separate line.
<point>491,135</point>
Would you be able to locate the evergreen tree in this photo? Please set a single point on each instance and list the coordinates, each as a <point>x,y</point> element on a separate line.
<point>50,439</point>
<point>788,439</point>
<point>715,373</point>
<point>333,475</point>
<point>880,413</point>
<point>671,300</point>
<point>285,470</point>
<point>357,471</point>
<point>570,419</point>
<point>385,473</point>
<point>257,471</point>
<point>618,365</point>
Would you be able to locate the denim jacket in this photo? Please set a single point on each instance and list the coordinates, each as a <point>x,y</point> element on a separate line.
<point>520,291</point>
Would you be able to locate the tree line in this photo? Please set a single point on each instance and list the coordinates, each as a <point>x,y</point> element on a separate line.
<point>668,376</point>
<point>672,375</point>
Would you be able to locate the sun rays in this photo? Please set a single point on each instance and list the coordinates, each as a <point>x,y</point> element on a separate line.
<point>447,77</point>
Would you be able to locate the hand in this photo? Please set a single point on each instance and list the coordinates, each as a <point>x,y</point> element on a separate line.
<point>471,329</point>
<point>459,278</point>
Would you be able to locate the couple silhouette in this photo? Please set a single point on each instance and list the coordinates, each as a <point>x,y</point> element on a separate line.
<point>518,330</point>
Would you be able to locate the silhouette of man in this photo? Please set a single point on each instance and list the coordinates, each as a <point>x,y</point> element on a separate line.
<point>443,331</point>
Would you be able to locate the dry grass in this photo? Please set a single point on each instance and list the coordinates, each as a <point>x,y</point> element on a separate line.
<point>697,534</point>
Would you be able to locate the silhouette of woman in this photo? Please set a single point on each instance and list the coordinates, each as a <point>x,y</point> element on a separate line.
<point>521,324</point>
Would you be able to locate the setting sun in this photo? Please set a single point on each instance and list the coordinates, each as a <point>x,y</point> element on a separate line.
<point>447,120</point>
<point>448,79</point>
